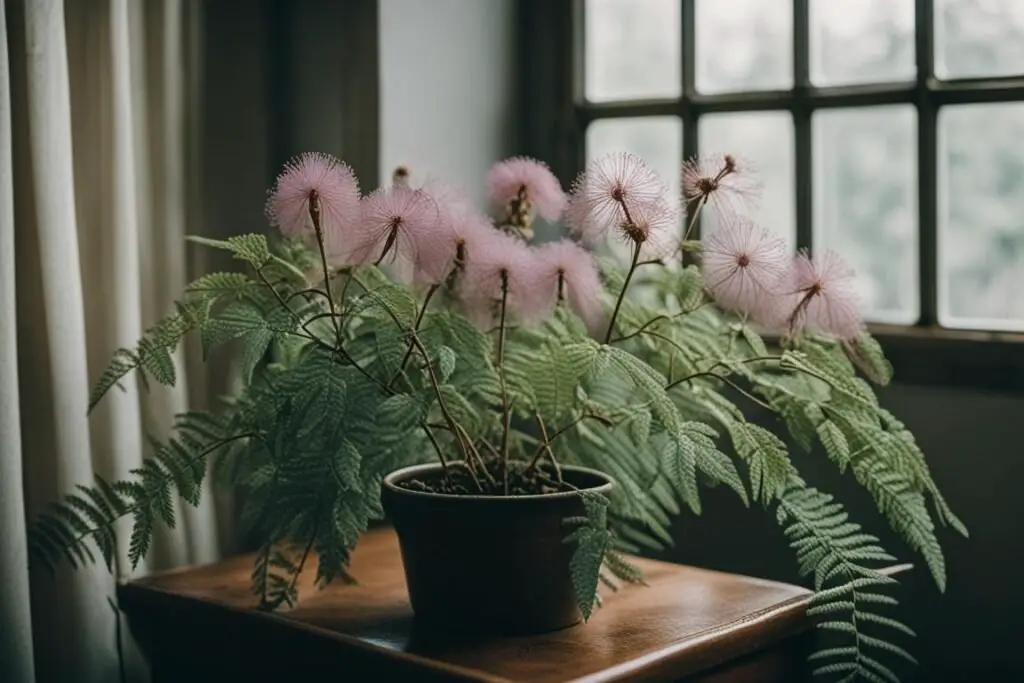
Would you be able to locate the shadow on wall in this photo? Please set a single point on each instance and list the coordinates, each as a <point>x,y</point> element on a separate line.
<point>972,441</point>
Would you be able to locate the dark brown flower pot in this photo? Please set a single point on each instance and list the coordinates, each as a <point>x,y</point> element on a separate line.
<point>486,564</point>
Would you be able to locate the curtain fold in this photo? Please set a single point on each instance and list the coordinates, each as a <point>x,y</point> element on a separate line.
<point>98,176</point>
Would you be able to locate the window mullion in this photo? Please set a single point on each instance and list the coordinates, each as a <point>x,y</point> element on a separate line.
<point>802,109</point>
<point>927,164</point>
<point>690,114</point>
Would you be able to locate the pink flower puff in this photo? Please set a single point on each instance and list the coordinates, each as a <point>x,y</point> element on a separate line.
<point>318,181</point>
<point>394,222</point>
<point>566,272</point>
<point>820,295</point>
<point>743,265</point>
<point>611,187</point>
<point>522,174</point>
<point>725,181</point>
<point>461,228</point>
<point>500,266</point>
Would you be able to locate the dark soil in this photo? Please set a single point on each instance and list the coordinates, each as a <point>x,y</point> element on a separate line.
<point>461,480</point>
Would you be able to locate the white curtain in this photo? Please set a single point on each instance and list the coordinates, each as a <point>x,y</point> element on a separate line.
<point>98,181</point>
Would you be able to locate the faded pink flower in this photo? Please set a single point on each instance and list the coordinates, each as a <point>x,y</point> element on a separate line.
<point>611,187</point>
<point>743,265</point>
<point>534,179</point>
<point>324,184</point>
<point>460,227</point>
<point>394,222</point>
<point>722,180</point>
<point>500,265</point>
<point>820,295</point>
<point>655,226</point>
<point>567,272</point>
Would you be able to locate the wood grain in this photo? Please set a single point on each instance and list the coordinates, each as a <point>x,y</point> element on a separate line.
<point>687,621</point>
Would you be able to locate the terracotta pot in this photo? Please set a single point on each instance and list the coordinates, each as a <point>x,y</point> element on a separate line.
<point>486,564</point>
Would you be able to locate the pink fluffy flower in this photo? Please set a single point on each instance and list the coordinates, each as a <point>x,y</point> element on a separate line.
<point>820,295</point>
<point>742,266</point>
<point>655,227</point>
<point>500,266</point>
<point>532,178</point>
<point>460,229</point>
<point>566,272</point>
<point>611,187</point>
<point>724,181</point>
<point>394,222</point>
<point>321,183</point>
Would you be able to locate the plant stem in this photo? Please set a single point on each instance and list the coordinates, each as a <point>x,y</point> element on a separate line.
<point>558,432</point>
<point>545,447</point>
<point>302,561</point>
<point>314,215</point>
<point>702,373</point>
<point>440,454</point>
<point>622,294</point>
<point>415,328</point>
<point>440,399</point>
<point>693,219</point>
<point>506,412</point>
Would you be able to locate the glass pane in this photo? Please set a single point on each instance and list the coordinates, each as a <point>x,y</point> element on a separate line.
<point>862,41</point>
<point>979,38</point>
<point>865,203</point>
<point>744,45</point>
<point>631,49</point>
<point>765,141</point>
<point>981,216</point>
<point>657,139</point>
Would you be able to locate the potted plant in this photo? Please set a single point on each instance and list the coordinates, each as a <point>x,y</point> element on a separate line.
<point>524,414</point>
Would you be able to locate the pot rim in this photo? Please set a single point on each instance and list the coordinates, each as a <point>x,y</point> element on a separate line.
<point>402,473</point>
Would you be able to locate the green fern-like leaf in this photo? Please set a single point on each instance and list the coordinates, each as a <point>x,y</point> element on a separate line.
<point>153,351</point>
<point>592,540</point>
<point>848,593</point>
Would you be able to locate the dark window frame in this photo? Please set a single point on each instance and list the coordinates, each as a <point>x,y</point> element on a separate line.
<point>554,116</point>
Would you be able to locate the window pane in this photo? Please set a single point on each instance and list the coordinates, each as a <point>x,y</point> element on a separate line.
<point>865,203</point>
<point>861,41</point>
<point>981,216</point>
<point>631,49</point>
<point>657,139</point>
<point>744,45</point>
<point>979,38</point>
<point>765,140</point>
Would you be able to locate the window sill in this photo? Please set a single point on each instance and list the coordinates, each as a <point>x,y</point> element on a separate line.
<point>932,356</point>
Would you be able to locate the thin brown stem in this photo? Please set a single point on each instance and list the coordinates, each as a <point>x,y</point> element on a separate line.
<point>415,328</point>
<point>545,447</point>
<point>302,560</point>
<point>558,432</point>
<point>506,411</point>
<point>437,447</point>
<point>693,219</point>
<point>721,363</point>
<point>310,290</point>
<point>622,294</point>
<point>314,214</point>
<point>440,399</point>
<point>476,454</point>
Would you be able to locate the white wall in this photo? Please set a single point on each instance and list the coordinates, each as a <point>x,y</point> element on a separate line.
<point>446,87</point>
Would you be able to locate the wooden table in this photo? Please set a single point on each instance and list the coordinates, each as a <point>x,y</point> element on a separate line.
<point>198,624</point>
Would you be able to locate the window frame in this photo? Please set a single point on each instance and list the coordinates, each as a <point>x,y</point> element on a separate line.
<point>554,116</point>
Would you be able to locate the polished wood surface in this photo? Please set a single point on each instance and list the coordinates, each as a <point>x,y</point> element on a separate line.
<point>687,624</point>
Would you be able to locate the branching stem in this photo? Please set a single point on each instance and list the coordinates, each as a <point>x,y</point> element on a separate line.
<point>506,411</point>
<point>622,294</point>
<point>440,400</point>
<point>415,328</point>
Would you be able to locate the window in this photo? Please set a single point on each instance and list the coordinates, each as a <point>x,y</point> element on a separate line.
<point>887,129</point>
